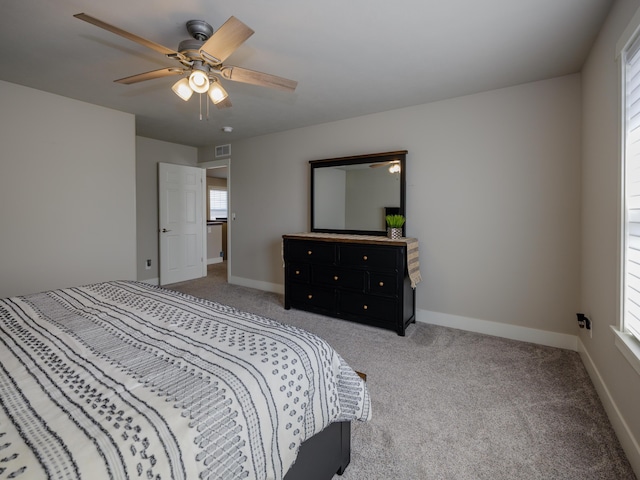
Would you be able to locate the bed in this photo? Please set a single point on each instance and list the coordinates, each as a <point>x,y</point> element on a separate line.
<point>122,380</point>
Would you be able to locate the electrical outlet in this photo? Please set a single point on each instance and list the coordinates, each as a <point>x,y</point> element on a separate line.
<point>147,264</point>
<point>584,321</point>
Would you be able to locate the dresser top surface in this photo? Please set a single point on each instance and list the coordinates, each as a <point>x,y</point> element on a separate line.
<point>344,238</point>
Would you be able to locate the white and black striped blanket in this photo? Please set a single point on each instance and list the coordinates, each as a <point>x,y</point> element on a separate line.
<point>123,380</point>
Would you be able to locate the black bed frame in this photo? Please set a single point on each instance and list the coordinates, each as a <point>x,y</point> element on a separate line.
<point>323,455</point>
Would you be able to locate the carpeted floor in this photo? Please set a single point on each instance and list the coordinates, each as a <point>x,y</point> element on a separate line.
<point>449,404</point>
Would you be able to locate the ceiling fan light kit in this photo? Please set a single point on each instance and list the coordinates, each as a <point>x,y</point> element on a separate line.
<point>217,93</point>
<point>182,89</point>
<point>199,82</point>
<point>201,59</point>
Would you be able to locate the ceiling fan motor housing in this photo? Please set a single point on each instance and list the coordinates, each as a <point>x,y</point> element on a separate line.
<point>191,48</point>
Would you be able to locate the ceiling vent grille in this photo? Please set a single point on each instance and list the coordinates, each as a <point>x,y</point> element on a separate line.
<point>223,150</point>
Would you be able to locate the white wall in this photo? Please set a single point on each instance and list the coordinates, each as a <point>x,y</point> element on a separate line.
<point>149,153</point>
<point>492,194</point>
<point>67,192</point>
<point>330,211</point>
<point>617,383</point>
<point>366,211</point>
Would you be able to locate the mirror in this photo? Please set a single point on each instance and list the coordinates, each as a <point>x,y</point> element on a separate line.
<point>353,194</point>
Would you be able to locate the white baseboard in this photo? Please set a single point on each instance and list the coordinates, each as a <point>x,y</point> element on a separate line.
<point>151,281</point>
<point>629,443</point>
<point>513,332</point>
<point>257,284</point>
<point>211,261</point>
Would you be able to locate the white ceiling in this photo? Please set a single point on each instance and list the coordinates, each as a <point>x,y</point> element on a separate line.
<point>350,58</point>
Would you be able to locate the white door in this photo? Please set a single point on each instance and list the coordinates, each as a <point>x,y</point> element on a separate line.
<point>181,223</point>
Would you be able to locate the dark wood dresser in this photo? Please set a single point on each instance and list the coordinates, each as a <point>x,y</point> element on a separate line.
<point>360,278</point>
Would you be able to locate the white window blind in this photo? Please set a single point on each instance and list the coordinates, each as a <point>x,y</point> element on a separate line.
<point>217,203</point>
<point>631,314</point>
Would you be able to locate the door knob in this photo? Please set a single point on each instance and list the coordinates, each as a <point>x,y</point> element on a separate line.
<point>164,230</point>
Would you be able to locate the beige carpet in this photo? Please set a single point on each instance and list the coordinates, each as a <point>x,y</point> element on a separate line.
<point>449,404</point>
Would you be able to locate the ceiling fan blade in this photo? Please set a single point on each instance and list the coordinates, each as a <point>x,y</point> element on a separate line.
<point>245,75</point>
<point>141,77</point>
<point>226,103</point>
<point>130,36</point>
<point>225,41</point>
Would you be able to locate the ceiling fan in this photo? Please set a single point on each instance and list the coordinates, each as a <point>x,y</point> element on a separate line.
<point>394,165</point>
<point>201,60</point>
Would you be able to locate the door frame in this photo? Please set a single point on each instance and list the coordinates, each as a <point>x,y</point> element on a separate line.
<point>226,162</point>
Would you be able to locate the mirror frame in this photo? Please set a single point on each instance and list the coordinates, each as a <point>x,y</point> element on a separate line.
<point>400,155</point>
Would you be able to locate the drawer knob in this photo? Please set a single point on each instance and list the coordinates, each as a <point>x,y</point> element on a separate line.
<point>309,252</point>
<point>335,277</point>
<point>365,258</point>
<point>309,296</point>
<point>381,284</point>
<point>364,307</point>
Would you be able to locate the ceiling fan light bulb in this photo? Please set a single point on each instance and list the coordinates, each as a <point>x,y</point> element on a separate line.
<point>394,168</point>
<point>217,93</point>
<point>182,89</point>
<point>199,81</point>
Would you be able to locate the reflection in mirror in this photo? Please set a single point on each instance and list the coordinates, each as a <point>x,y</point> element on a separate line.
<point>353,194</point>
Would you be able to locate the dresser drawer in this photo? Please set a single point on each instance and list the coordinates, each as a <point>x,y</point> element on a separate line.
<point>370,257</point>
<point>380,308</point>
<point>338,277</point>
<point>382,284</point>
<point>316,252</point>
<point>299,272</point>
<point>313,297</point>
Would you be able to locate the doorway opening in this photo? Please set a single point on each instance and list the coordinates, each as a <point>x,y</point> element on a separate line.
<point>218,233</point>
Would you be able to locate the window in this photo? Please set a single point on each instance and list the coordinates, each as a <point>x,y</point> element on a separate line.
<point>217,203</point>
<point>627,337</point>
<point>631,168</point>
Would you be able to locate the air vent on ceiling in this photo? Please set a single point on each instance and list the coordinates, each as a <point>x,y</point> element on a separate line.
<point>223,150</point>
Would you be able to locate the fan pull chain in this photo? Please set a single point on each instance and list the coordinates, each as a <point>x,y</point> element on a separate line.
<point>207,112</point>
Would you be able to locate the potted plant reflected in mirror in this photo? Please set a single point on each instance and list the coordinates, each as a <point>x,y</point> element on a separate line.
<point>394,226</point>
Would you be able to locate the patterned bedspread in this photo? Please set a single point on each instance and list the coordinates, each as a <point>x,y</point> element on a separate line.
<point>123,380</point>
